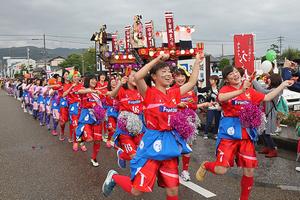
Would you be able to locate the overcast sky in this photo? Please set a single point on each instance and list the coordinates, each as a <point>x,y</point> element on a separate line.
<point>215,20</point>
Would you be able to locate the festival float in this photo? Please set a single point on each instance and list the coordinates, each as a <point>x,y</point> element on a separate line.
<point>138,48</point>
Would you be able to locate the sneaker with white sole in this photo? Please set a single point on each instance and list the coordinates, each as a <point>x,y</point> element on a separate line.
<point>297,169</point>
<point>94,162</point>
<point>185,175</point>
<point>109,183</point>
<point>205,137</point>
<point>121,162</point>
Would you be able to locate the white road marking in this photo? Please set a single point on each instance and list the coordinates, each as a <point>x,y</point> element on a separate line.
<point>197,188</point>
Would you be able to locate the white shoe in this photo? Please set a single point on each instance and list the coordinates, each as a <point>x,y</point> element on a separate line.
<point>205,137</point>
<point>185,175</point>
<point>278,130</point>
<point>25,111</point>
<point>94,163</point>
<point>297,169</point>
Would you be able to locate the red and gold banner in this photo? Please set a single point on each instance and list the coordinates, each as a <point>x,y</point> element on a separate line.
<point>244,51</point>
<point>170,29</point>
<point>149,34</point>
<point>115,46</point>
<point>127,37</point>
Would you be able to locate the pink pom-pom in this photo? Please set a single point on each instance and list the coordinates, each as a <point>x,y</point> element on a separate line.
<point>99,112</point>
<point>185,123</point>
<point>122,124</point>
<point>250,116</point>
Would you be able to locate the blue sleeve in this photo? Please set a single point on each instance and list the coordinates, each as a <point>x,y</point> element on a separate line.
<point>286,74</point>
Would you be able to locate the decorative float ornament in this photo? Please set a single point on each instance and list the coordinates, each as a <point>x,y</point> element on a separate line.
<point>99,112</point>
<point>130,123</point>
<point>177,28</point>
<point>250,116</point>
<point>186,123</point>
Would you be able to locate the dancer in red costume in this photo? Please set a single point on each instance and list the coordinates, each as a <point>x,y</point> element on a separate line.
<point>234,141</point>
<point>158,152</point>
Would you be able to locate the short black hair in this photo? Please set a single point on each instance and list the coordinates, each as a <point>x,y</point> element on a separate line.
<point>227,70</point>
<point>87,79</point>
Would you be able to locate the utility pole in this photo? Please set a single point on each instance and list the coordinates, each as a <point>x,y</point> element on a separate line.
<point>28,51</point>
<point>280,40</point>
<point>45,53</point>
<point>222,50</point>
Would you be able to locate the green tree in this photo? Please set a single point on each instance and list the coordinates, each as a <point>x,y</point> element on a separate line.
<point>73,60</point>
<point>89,60</point>
<point>291,54</point>
<point>224,62</point>
<point>274,47</point>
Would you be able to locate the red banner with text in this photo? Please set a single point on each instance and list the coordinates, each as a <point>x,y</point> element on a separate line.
<point>149,34</point>
<point>244,51</point>
<point>127,37</point>
<point>114,42</point>
<point>170,29</point>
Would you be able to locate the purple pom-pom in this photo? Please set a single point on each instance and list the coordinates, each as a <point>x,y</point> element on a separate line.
<point>122,124</point>
<point>185,123</point>
<point>99,112</point>
<point>250,116</point>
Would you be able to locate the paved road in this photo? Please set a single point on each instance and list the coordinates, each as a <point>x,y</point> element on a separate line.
<point>35,165</point>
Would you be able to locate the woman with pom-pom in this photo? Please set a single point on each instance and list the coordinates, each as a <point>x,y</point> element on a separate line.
<point>158,152</point>
<point>111,112</point>
<point>130,103</point>
<point>88,128</point>
<point>235,141</point>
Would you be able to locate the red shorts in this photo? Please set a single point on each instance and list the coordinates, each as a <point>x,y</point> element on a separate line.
<point>64,114</point>
<point>75,119</point>
<point>111,124</point>
<point>91,133</point>
<point>166,172</point>
<point>243,151</point>
<point>129,143</point>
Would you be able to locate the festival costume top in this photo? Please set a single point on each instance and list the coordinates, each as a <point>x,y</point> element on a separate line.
<point>230,126</point>
<point>102,87</point>
<point>189,98</point>
<point>130,100</point>
<point>160,141</point>
<point>73,96</point>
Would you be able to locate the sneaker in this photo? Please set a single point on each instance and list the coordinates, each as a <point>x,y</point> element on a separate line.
<point>54,133</point>
<point>185,175</point>
<point>272,154</point>
<point>264,150</point>
<point>61,137</point>
<point>75,146</point>
<point>94,162</point>
<point>83,148</point>
<point>278,130</point>
<point>121,162</point>
<point>297,169</point>
<point>108,144</point>
<point>205,137</point>
<point>48,127</point>
<point>25,111</point>
<point>109,183</point>
<point>215,137</point>
<point>41,124</point>
<point>201,172</point>
<point>70,140</point>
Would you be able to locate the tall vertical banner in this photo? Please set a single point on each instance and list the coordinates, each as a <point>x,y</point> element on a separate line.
<point>170,29</point>
<point>244,51</point>
<point>114,42</point>
<point>127,37</point>
<point>149,34</point>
